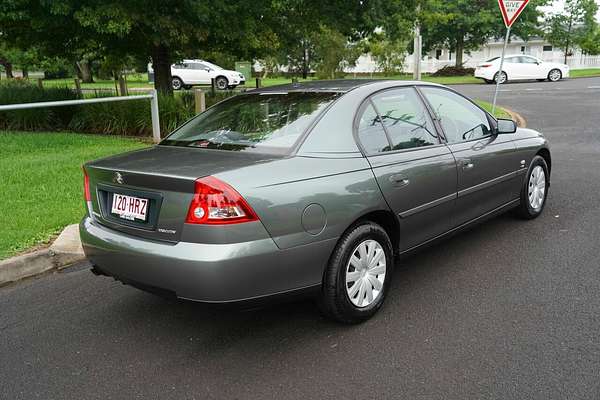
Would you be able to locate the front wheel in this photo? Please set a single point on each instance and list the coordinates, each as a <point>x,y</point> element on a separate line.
<point>358,274</point>
<point>535,189</point>
<point>554,75</point>
<point>221,83</point>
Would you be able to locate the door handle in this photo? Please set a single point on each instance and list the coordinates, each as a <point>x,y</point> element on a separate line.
<point>467,164</point>
<point>399,180</point>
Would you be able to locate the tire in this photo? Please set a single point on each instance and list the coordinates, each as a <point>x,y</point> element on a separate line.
<point>529,207</point>
<point>340,299</point>
<point>221,83</point>
<point>502,75</point>
<point>554,75</point>
<point>176,83</point>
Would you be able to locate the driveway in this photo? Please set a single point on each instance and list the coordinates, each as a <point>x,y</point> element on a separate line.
<point>507,310</point>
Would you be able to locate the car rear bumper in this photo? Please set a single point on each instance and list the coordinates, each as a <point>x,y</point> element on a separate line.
<point>213,273</point>
<point>484,73</point>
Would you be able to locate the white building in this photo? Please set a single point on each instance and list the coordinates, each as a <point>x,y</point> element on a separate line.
<point>437,59</point>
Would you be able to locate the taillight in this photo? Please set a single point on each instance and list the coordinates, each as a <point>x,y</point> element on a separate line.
<point>86,186</point>
<point>215,202</point>
<point>485,65</point>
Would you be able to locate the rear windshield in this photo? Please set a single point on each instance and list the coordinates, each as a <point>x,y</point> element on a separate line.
<point>492,59</point>
<point>268,122</point>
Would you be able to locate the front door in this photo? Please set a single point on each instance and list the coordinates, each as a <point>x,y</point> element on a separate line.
<point>415,171</point>
<point>486,163</point>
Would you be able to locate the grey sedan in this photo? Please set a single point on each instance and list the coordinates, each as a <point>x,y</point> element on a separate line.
<point>307,188</point>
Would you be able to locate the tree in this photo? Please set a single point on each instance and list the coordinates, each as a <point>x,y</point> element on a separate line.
<point>576,25</point>
<point>163,31</point>
<point>466,25</point>
<point>333,52</point>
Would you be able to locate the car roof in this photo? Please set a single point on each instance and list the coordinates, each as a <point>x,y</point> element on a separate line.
<point>336,85</point>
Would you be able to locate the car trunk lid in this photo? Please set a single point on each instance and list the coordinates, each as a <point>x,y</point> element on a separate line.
<point>158,181</point>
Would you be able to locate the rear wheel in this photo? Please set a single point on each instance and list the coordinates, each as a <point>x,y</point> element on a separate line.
<point>176,83</point>
<point>502,77</point>
<point>554,75</point>
<point>358,275</point>
<point>534,190</point>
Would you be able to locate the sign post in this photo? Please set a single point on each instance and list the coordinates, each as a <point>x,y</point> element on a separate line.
<point>511,9</point>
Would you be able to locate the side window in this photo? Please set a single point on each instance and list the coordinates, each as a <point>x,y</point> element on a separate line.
<point>460,119</point>
<point>528,60</point>
<point>199,66</point>
<point>371,133</point>
<point>405,118</point>
<point>512,60</point>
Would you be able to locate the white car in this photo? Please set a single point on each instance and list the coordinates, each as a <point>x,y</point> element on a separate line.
<point>520,66</point>
<point>199,72</point>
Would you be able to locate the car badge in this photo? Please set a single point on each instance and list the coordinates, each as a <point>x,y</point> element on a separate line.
<point>118,178</point>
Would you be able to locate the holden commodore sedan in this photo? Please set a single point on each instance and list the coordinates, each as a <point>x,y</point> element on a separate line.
<point>307,188</point>
<point>521,67</point>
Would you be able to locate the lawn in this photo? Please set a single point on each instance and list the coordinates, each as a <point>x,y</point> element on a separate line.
<point>499,112</point>
<point>580,73</point>
<point>41,184</point>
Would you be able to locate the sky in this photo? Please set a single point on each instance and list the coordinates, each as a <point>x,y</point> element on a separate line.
<point>558,5</point>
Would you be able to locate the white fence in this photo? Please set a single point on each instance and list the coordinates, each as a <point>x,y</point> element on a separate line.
<point>153,107</point>
<point>365,64</point>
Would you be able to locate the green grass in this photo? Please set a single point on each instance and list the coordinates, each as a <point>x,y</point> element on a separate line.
<point>499,112</point>
<point>41,182</point>
<point>579,73</point>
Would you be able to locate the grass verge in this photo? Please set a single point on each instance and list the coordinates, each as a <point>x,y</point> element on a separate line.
<point>499,112</point>
<point>41,182</point>
<point>580,73</point>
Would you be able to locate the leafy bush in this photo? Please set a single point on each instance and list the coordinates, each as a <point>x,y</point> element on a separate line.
<point>16,91</point>
<point>129,118</point>
<point>451,70</point>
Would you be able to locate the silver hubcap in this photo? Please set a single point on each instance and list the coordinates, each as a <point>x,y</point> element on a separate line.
<point>554,75</point>
<point>501,77</point>
<point>537,188</point>
<point>176,84</point>
<point>365,273</point>
<point>221,83</point>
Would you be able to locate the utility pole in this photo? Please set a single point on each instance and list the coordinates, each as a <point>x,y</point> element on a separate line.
<point>417,47</point>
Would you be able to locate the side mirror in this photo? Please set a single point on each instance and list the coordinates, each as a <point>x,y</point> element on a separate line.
<point>506,126</point>
<point>207,69</point>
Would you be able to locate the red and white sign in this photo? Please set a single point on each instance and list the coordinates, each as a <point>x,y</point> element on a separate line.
<point>511,9</point>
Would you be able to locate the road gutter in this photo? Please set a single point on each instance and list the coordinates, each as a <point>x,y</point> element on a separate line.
<point>65,250</point>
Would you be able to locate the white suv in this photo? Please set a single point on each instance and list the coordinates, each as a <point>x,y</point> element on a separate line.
<point>198,72</point>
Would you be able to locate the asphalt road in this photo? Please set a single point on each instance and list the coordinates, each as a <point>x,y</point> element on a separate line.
<point>508,310</point>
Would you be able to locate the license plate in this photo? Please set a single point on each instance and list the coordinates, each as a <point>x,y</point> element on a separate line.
<point>129,207</point>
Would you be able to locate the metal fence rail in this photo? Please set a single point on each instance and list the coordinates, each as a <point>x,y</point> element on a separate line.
<point>153,107</point>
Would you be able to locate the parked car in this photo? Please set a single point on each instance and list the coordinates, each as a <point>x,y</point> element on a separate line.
<point>521,67</point>
<point>199,72</point>
<point>307,188</point>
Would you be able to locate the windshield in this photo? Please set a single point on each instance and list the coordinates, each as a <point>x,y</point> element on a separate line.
<point>213,66</point>
<point>262,122</point>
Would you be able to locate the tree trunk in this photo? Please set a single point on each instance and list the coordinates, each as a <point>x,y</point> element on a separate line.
<point>161,63</point>
<point>568,38</point>
<point>8,68</point>
<point>460,47</point>
<point>25,73</point>
<point>84,72</point>
<point>304,60</point>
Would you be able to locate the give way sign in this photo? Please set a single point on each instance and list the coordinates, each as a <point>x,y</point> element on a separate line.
<point>511,9</point>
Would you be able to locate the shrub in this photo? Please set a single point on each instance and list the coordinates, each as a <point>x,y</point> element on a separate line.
<point>129,118</point>
<point>451,70</point>
<point>20,91</point>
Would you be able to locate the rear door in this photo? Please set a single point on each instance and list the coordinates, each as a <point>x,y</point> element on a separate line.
<point>512,67</point>
<point>201,74</point>
<point>486,163</point>
<point>416,173</point>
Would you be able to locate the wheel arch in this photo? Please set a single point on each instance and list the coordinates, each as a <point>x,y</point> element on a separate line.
<point>545,154</point>
<point>387,220</point>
